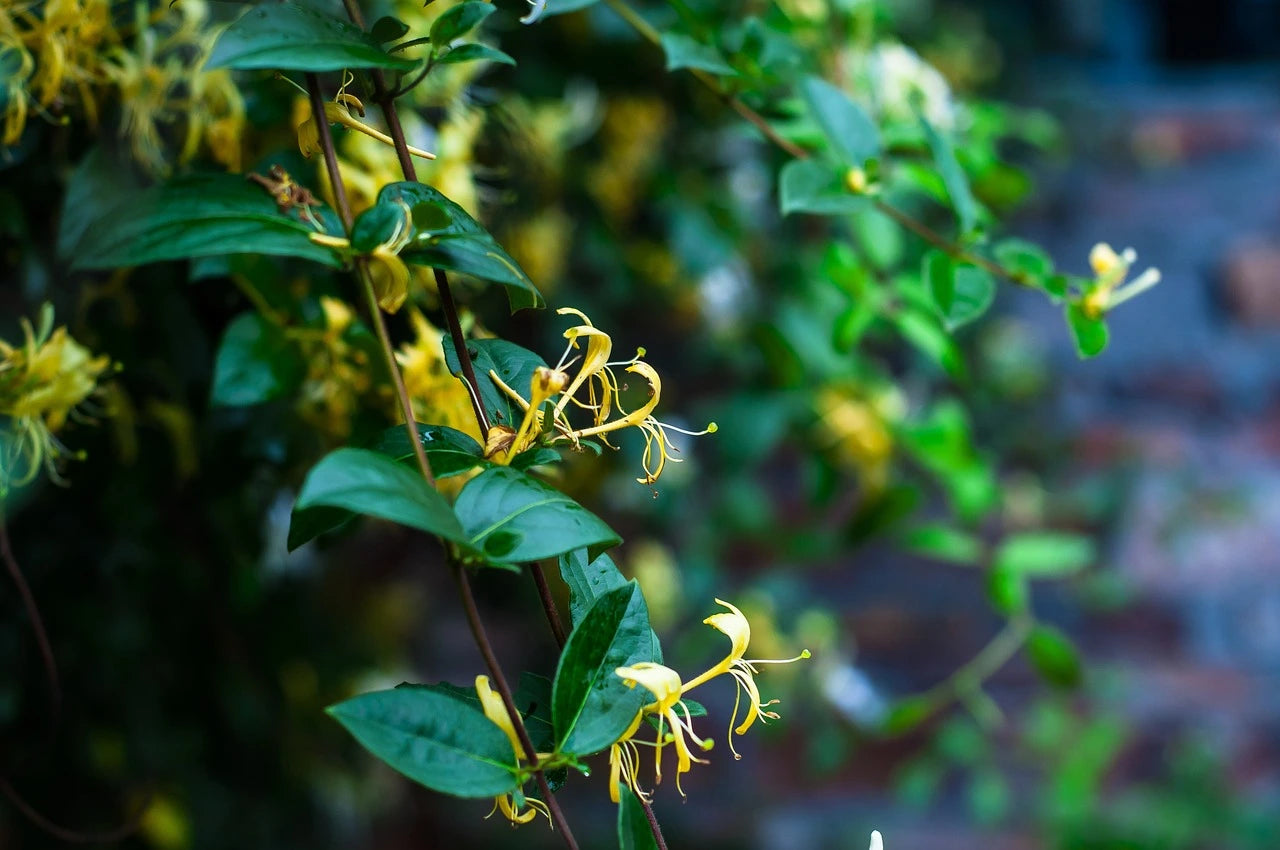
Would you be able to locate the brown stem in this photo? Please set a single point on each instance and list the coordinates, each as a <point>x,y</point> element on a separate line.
<point>129,827</point>
<point>37,622</point>
<point>362,273</point>
<point>653,822</point>
<point>504,690</point>
<point>548,602</point>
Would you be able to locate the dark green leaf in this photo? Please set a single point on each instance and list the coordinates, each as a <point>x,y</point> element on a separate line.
<point>922,330</point>
<point>460,245</point>
<point>195,216</point>
<point>387,29</point>
<point>93,191</point>
<point>961,292</point>
<point>685,52</point>
<point>1045,554</point>
<point>376,226</point>
<point>1024,258</point>
<point>944,156</point>
<point>540,456</point>
<point>291,37</point>
<point>591,705</point>
<point>588,579</point>
<point>513,365</point>
<point>472,52</point>
<point>634,832</point>
<point>814,186</point>
<point>255,363</point>
<point>433,738</point>
<point>1089,333</point>
<point>370,483</point>
<point>459,20</point>
<point>851,133</point>
<point>1054,656</point>
<point>512,517</point>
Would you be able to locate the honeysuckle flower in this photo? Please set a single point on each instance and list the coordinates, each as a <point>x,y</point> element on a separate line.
<point>624,762</point>
<point>495,710</point>
<point>388,274</point>
<point>734,625</point>
<point>596,376</point>
<point>877,843</point>
<point>1110,270</point>
<point>436,394</point>
<point>338,112</point>
<point>42,384</point>
<point>664,684</point>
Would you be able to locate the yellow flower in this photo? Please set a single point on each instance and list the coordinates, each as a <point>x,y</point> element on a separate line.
<point>436,394</point>
<point>339,113</point>
<point>598,377</point>
<point>388,274</point>
<point>495,710</point>
<point>338,374</point>
<point>42,384</point>
<point>664,684</point>
<point>1110,270</point>
<point>734,625</point>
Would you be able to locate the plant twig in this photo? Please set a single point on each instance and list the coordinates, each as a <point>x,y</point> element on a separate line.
<point>982,666</point>
<point>37,622</point>
<point>548,602</point>
<point>119,833</point>
<point>504,690</point>
<point>653,822</point>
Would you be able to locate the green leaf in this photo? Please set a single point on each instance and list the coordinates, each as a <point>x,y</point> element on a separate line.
<point>852,134</point>
<point>944,156</point>
<point>514,366</point>
<point>924,332</point>
<point>634,832</point>
<point>814,186</point>
<point>1090,334</point>
<point>532,698</point>
<point>685,52</point>
<point>1054,657</point>
<point>388,28</point>
<point>201,215</point>
<point>1024,258</point>
<point>907,714</point>
<point>459,20</point>
<point>537,456</point>
<point>474,51</point>
<point>459,243</point>
<point>1007,590</point>
<point>943,543</point>
<point>256,362</point>
<point>291,37</point>
<point>695,709</point>
<point>449,452</point>
<point>511,517</point>
<point>433,738</point>
<point>93,191</point>
<point>588,579</point>
<point>961,292</point>
<point>1045,554</point>
<point>590,704</point>
<point>369,483</point>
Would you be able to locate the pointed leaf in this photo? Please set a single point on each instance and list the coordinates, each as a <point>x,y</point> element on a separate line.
<point>459,20</point>
<point>514,366</point>
<point>369,483</point>
<point>853,136</point>
<point>511,517</point>
<point>685,52</point>
<point>634,832</point>
<point>473,52</point>
<point>814,186</point>
<point>255,363</point>
<point>591,705</point>
<point>1090,334</point>
<point>292,37</point>
<point>433,738</point>
<point>957,182</point>
<point>588,579</point>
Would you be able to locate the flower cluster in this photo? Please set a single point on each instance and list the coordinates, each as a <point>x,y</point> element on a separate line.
<point>43,383</point>
<point>338,373</point>
<point>597,389</point>
<point>674,720</point>
<point>1110,270</point>
<point>69,53</point>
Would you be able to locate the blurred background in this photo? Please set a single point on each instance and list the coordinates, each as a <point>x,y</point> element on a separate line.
<point>197,654</point>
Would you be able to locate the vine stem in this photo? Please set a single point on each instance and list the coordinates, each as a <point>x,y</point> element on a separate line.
<point>548,603</point>
<point>970,678</point>
<point>33,614</point>
<point>919,228</point>
<point>464,587</point>
<point>504,690</point>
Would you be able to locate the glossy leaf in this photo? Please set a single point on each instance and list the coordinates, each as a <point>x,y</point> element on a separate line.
<point>472,52</point>
<point>367,482</point>
<point>514,366</point>
<point>587,579</point>
<point>457,242</point>
<point>511,517</point>
<point>255,363</point>
<point>850,132</point>
<point>591,706</point>
<point>293,37</point>
<point>388,28</point>
<point>683,51</point>
<point>459,20</point>
<point>201,215</point>
<point>433,738</point>
<point>814,186</point>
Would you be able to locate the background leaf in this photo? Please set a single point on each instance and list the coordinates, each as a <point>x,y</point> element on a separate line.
<point>850,132</point>
<point>814,186</point>
<point>256,362</point>
<point>291,37</point>
<point>1045,554</point>
<point>634,832</point>
<point>682,51</point>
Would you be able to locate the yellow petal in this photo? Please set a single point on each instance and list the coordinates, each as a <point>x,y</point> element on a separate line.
<point>662,682</point>
<point>390,278</point>
<point>495,710</point>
